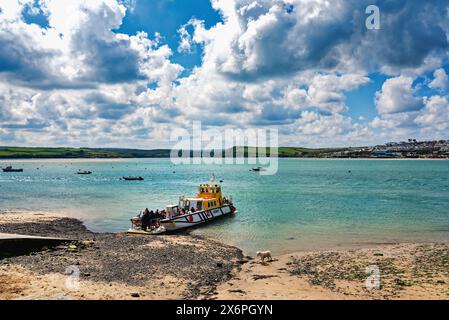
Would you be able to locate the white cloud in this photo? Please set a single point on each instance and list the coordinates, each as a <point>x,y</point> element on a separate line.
<point>76,80</point>
<point>272,38</point>
<point>440,81</point>
<point>327,91</point>
<point>394,120</point>
<point>432,121</point>
<point>398,95</point>
<point>79,48</point>
<point>435,116</point>
<point>312,123</point>
<point>186,42</point>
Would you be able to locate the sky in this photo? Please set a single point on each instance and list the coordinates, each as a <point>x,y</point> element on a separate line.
<point>126,73</point>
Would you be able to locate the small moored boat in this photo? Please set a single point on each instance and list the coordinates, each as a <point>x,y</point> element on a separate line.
<point>84,172</point>
<point>11,169</point>
<point>133,178</point>
<point>206,206</point>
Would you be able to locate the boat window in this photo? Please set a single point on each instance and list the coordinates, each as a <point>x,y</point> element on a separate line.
<point>200,205</point>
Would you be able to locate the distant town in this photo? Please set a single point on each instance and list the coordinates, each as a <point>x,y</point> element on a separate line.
<point>435,149</point>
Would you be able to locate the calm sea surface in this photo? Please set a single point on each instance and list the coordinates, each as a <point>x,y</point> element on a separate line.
<point>308,204</point>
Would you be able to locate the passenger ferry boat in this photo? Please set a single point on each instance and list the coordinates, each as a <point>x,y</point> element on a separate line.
<point>209,204</point>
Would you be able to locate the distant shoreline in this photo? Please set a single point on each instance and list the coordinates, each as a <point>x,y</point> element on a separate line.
<point>119,159</point>
<point>411,150</point>
<point>78,160</point>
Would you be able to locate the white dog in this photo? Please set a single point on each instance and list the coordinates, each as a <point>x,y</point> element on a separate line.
<point>264,254</point>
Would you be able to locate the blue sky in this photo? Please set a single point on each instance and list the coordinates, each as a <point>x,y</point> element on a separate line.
<point>121,73</point>
<point>361,100</point>
<point>165,17</point>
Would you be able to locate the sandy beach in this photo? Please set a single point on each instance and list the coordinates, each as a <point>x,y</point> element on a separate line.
<point>120,266</point>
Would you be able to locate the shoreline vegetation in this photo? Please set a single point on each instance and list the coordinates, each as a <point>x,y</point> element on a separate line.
<point>183,266</point>
<point>438,149</point>
<point>97,153</point>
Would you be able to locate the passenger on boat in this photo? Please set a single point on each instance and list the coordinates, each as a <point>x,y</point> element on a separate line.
<point>151,218</point>
<point>137,220</point>
<point>145,219</point>
<point>157,216</point>
<point>192,209</point>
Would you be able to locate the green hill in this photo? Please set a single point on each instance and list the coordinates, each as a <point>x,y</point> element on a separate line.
<point>45,153</point>
<point>27,153</point>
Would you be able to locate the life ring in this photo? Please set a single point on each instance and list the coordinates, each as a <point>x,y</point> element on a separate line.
<point>190,218</point>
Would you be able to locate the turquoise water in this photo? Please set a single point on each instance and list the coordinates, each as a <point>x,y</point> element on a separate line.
<point>308,204</point>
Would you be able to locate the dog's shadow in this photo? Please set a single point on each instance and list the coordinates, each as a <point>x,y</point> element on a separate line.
<point>266,263</point>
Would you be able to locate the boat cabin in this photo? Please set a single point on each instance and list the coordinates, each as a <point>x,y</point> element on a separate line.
<point>172,211</point>
<point>208,197</point>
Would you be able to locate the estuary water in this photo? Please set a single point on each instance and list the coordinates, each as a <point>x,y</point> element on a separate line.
<point>309,204</point>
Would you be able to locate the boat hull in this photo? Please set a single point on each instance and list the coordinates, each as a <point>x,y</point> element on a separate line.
<point>197,218</point>
<point>12,170</point>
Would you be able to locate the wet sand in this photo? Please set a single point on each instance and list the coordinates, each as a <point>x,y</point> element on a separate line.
<point>406,271</point>
<point>120,266</point>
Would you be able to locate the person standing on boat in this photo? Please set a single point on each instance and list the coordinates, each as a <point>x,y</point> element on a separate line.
<point>156,218</point>
<point>145,219</point>
<point>152,218</point>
